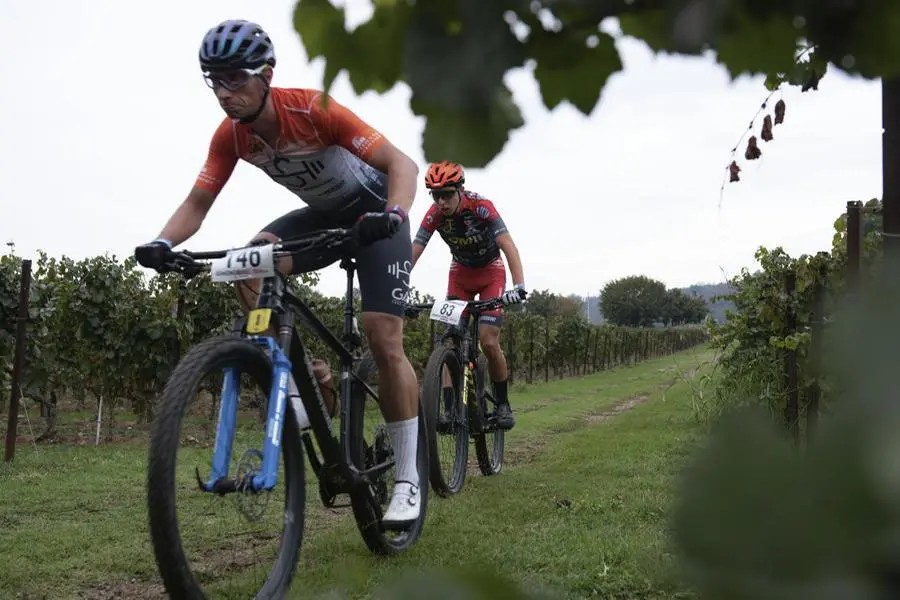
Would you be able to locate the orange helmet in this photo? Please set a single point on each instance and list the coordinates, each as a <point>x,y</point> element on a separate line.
<point>444,174</point>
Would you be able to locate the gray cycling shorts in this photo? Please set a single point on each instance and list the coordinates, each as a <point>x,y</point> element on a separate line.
<point>382,268</point>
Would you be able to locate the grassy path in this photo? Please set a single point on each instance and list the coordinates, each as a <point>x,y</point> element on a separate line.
<point>580,507</point>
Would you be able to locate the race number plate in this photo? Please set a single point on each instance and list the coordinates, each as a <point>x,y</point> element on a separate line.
<point>254,262</point>
<point>448,311</point>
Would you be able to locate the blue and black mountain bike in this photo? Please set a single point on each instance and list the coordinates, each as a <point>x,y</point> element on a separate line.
<point>257,446</point>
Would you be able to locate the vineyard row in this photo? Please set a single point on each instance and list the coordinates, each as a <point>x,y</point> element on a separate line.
<point>99,327</point>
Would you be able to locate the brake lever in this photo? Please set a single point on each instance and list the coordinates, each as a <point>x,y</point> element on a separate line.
<point>186,264</point>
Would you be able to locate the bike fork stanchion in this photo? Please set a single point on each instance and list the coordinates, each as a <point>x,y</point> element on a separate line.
<point>225,429</point>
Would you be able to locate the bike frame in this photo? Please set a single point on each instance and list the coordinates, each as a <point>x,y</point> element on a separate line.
<point>470,352</point>
<point>289,355</point>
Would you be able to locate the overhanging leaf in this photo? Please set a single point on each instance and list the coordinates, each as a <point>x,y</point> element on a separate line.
<point>458,64</point>
<point>757,46</point>
<point>568,69</point>
<point>472,138</point>
<point>876,45</point>
<point>377,60</point>
<point>322,33</point>
<point>653,27</point>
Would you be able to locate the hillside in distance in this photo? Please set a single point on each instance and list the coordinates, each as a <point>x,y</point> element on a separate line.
<point>708,291</point>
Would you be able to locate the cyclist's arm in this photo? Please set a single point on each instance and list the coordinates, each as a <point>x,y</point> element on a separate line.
<point>417,249</point>
<point>360,138</point>
<point>430,222</point>
<point>401,173</point>
<point>487,211</point>
<point>509,249</point>
<point>220,163</point>
<point>187,218</point>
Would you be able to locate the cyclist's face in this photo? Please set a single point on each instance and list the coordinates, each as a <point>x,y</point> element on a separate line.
<point>239,91</point>
<point>447,199</point>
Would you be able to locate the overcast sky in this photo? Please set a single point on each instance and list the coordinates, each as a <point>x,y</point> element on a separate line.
<point>106,122</point>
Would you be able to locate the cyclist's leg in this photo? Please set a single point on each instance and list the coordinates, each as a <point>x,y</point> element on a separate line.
<point>293,224</point>
<point>383,269</point>
<point>493,283</point>
<point>456,290</point>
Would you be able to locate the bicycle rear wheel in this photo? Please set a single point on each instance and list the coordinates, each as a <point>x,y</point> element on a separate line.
<point>208,357</point>
<point>453,433</point>
<point>365,453</point>
<point>488,446</point>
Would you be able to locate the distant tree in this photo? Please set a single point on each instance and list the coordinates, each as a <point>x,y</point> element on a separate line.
<point>680,308</point>
<point>546,304</point>
<point>675,306</point>
<point>541,303</point>
<point>569,306</point>
<point>634,301</point>
<point>697,310</point>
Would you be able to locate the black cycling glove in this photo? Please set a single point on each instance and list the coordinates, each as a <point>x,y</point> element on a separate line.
<point>153,255</point>
<point>372,227</point>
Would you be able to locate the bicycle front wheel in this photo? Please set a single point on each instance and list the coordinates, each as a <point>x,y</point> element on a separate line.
<point>181,579</point>
<point>448,426</point>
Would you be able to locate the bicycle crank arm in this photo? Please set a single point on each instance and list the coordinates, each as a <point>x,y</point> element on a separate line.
<point>373,502</point>
<point>376,470</point>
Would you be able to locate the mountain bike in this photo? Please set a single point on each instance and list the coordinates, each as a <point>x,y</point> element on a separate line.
<point>347,463</point>
<point>458,365</point>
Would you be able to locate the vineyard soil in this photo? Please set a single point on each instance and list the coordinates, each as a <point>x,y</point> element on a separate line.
<point>580,507</point>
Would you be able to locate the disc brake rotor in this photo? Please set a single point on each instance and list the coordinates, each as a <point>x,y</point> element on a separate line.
<point>252,504</point>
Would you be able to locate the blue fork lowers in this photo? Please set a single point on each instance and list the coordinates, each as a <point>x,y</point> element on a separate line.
<point>233,356</point>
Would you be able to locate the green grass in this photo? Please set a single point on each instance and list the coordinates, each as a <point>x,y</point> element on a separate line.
<point>580,507</point>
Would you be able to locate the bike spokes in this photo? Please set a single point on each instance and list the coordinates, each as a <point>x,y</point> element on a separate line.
<point>214,526</point>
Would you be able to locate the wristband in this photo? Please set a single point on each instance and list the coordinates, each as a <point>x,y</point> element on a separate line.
<point>398,211</point>
<point>164,241</point>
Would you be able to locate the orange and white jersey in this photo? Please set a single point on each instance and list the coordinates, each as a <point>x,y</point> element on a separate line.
<point>321,154</point>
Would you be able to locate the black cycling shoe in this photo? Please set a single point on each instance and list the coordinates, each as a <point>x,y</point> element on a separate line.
<point>503,417</point>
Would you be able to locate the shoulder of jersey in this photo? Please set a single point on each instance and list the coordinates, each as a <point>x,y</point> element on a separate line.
<point>300,97</point>
<point>296,94</point>
<point>480,209</point>
<point>432,215</point>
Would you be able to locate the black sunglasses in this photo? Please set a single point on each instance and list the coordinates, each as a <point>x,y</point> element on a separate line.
<point>443,194</point>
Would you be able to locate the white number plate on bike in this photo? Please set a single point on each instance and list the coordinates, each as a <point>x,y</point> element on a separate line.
<point>253,262</point>
<point>448,311</point>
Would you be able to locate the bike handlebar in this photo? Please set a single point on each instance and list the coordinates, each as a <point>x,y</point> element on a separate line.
<point>188,262</point>
<point>473,306</point>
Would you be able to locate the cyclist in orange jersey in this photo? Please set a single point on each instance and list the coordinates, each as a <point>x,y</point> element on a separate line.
<point>348,175</point>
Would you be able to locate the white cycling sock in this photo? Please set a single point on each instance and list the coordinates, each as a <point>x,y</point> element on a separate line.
<point>404,439</point>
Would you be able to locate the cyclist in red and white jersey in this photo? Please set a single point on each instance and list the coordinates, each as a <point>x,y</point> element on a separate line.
<point>349,175</point>
<point>476,234</point>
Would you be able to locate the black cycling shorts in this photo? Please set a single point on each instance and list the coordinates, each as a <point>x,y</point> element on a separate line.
<point>383,267</point>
